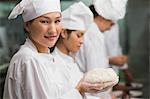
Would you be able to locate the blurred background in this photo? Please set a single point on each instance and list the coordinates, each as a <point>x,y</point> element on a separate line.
<point>134,38</point>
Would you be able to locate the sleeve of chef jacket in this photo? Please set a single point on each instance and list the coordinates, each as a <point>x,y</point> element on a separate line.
<point>113,44</point>
<point>26,83</point>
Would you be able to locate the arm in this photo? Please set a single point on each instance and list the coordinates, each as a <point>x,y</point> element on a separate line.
<point>118,60</point>
<point>128,76</point>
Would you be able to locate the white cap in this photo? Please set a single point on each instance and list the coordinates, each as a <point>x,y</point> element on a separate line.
<point>110,9</point>
<point>77,17</point>
<point>31,9</point>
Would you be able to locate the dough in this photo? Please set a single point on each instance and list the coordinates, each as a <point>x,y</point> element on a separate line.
<point>101,75</point>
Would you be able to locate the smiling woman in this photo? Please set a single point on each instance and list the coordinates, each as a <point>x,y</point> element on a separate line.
<point>44,30</point>
<point>33,72</point>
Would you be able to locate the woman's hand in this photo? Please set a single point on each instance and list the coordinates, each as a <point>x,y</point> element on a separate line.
<point>84,86</point>
<point>118,60</point>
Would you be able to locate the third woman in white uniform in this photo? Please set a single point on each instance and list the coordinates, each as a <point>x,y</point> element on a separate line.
<point>118,61</point>
<point>93,52</point>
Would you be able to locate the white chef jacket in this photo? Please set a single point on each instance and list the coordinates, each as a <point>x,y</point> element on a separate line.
<point>113,46</point>
<point>75,74</point>
<point>73,70</point>
<point>33,75</point>
<point>92,53</point>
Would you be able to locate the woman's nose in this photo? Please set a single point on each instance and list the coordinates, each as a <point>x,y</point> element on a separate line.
<point>81,40</point>
<point>52,28</point>
<point>112,24</point>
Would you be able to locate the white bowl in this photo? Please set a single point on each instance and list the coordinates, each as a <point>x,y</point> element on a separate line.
<point>136,85</point>
<point>135,93</point>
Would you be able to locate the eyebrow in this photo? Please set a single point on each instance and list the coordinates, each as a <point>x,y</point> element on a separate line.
<point>50,18</point>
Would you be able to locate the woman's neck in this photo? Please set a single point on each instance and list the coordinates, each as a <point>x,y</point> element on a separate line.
<point>40,49</point>
<point>62,48</point>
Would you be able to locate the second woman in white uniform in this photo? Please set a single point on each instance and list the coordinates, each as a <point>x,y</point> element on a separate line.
<point>74,24</point>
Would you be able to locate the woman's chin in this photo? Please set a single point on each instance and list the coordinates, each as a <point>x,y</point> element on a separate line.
<point>52,44</point>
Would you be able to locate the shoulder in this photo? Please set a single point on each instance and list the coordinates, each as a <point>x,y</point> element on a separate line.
<point>22,61</point>
<point>25,56</point>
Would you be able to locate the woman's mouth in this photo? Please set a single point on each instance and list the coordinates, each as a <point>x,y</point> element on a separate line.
<point>79,46</point>
<point>51,38</point>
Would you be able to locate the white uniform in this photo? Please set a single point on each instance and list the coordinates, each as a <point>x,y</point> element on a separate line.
<point>92,54</point>
<point>73,70</point>
<point>112,45</point>
<point>33,75</point>
<point>75,74</point>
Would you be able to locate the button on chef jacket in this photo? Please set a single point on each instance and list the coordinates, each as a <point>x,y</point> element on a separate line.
<point>33,75</point>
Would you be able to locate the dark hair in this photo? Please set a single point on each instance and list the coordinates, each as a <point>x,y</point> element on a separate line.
<point>69,32</point>
<point>93,11</point>
<point>52,48</point>
<point>25,31</point>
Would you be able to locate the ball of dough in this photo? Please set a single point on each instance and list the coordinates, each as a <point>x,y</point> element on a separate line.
<point>101,75</point>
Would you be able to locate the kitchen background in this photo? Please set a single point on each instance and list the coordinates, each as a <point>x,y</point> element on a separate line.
<point>134,38</point>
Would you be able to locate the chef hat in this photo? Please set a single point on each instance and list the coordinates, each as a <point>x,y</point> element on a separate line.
<point>31,9</point>
<point>110,9</point>
<point>77,17</point>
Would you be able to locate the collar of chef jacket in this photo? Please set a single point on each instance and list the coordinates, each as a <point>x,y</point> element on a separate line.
<point>30,44</point>
<point>65,57</point>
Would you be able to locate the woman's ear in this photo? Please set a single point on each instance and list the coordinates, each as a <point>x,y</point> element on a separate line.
<point>27,27</point>
<point>63,33</point>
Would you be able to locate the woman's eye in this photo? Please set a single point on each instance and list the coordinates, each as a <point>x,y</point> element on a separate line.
<point>44,21</point>
<point>78,35</point>
<point>57,21</point>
